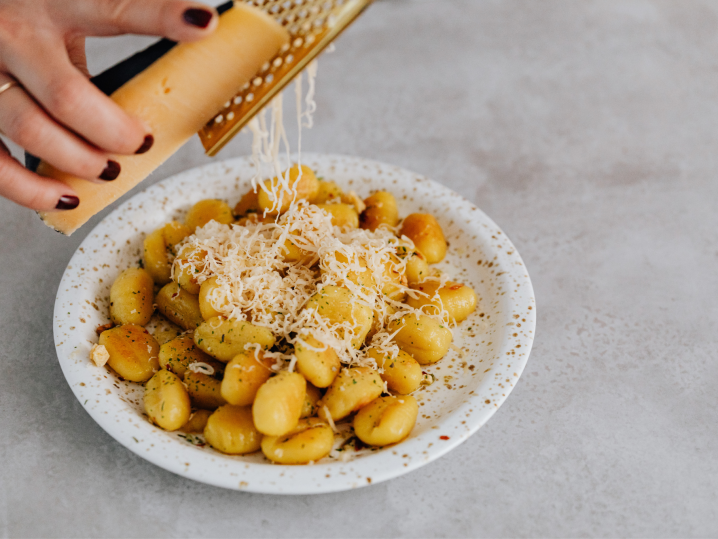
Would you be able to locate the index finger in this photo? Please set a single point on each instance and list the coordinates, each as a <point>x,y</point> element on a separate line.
<point>68,96</point>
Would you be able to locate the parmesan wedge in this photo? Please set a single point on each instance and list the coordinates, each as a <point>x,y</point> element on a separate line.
<point>176,96</point>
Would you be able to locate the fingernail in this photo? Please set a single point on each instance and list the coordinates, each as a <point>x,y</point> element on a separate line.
<point>198,17</point>
<point>112,170</point>
<point>67,202</point>
<point>146,145</point>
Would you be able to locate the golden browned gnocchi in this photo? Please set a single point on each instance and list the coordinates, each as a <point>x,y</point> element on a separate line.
<point>134,353</point>
<point>310,407</point>
<point>278,404</point>
<point>179,306</point>
<point>351,390</point>
<point>319,367</point>
<point>343,215</point>
<point>402,374</point>
<point>339,306</point>
<point>208,210</point>
<point>223,339</point>
<point>185,275</point>
<point>309,441</point>
<point>230,430</point>
<point>387,420</point>
<point>457,299</point>
<point>424,230</point>
<point>381,209</point>
<point>249,203</point>
<point>166,401</point>
<point>197,421</point>
<point>327,191</point>
<point>243,377</point>
<point>417,268</point>
<point>206,305</point>
<point>306,187</point>
<point>293,321</point>
<point>159,247</point>
<point>181,352</point>
<point>131,297</point>
<point>205,391</point>
<point>424,338</point>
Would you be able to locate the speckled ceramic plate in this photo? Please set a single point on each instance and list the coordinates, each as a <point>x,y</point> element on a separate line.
<point>490,349</point>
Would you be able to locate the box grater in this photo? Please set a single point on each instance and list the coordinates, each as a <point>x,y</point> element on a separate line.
<point>312,25</point>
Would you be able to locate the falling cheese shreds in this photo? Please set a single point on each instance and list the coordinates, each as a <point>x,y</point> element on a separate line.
<point>99,355</point>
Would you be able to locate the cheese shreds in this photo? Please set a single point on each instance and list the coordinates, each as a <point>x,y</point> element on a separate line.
<point>255,283</point>
<point>201,368</point>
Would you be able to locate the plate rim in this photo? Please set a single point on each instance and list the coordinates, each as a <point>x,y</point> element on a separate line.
<point>387,472</point>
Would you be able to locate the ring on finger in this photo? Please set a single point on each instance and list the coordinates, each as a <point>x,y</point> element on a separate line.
<point>9,84</point>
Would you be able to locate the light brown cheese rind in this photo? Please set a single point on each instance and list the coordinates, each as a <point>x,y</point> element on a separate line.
<point>176,96</point>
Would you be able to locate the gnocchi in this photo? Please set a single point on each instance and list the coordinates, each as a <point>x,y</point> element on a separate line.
<point>166,400</point>
<point>424,230</point>
<point>386,420</point>
<point>278,404</point>
<point>309,441</point>
<point>131,298</point>
<point>230,430</point>
<point>133,352</point>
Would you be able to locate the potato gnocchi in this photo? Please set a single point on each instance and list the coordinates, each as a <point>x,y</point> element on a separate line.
<point>305,312</point>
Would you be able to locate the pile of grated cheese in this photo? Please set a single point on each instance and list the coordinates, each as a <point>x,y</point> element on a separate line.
<point>256,284</point>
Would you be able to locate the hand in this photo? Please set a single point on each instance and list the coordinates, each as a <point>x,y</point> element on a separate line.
<point>54,112</point>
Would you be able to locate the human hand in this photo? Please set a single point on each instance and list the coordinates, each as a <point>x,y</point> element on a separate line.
<point>50,108</point>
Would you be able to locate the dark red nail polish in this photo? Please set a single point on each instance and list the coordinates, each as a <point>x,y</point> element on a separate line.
<point>67,202</point>
<point>112,170</point>
<point>198,17</point>
<point>146,145</point>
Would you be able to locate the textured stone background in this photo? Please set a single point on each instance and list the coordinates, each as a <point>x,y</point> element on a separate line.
<point>588,131</point>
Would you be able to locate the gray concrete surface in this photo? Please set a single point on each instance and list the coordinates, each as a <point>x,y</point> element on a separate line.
<point>589,131</point>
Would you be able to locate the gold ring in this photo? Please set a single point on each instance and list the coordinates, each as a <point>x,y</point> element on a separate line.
<point>5,87</point>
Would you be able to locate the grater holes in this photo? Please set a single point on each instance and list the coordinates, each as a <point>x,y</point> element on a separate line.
<point>307,21</point>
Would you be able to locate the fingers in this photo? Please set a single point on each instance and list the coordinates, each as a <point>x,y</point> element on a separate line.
<point>26,124</point>
<point>175,19</point>
<point>65,93</point>
<point>33,191</point>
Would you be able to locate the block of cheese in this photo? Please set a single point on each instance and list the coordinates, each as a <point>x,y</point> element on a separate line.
<point>176,95</point>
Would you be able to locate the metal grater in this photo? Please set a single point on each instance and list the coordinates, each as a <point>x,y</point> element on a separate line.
<point>312,25</point>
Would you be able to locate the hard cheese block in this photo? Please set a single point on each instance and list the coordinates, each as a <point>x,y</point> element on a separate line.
<point>176,96</point>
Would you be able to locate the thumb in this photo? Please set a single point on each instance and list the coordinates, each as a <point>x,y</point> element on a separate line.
<point>177,20</point>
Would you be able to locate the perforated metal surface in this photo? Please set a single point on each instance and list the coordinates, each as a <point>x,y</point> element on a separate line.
<point>312,25</point>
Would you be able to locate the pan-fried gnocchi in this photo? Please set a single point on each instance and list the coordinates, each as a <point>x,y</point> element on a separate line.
<point>303,313</point>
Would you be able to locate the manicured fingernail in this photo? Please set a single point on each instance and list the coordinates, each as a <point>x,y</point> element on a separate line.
<point>67,202</point>
<point>198,17</point>
<point>112,170</point>
<point>146,145</point>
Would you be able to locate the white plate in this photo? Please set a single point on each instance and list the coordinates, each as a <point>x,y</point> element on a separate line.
<point>476,377</point>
